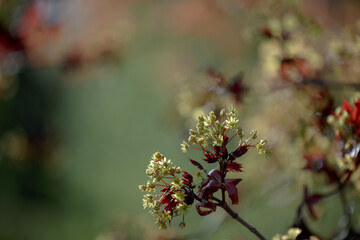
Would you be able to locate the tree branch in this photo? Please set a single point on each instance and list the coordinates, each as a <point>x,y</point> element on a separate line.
<point>233,214</point>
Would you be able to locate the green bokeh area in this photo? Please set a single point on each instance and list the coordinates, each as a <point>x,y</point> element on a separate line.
<point>116,125</point>
<point>98,120</point>
<point>109,127</point>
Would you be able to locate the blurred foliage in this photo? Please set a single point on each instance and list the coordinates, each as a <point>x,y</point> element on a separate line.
<point>90,89</point>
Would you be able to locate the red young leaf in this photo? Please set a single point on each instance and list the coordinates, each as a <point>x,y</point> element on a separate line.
<point>215,174</point>
<point>166,189</point>
<point>212,185</point>
<point>234,167</point>
<point>205,204</point>
<point>195,163</point>
<point>187,179</point>
<point>209,188</point>
<point>210,158</point>
<point>165,199</point>
<point>230,186</point>
<point>346,106</point>
<point>238,152</point>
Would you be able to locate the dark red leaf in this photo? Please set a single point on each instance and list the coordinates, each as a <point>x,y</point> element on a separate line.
<point>234,167</point>
<point>171,205</point>
<point>187,179</point>
<point>221,151</point>
<point>195,163</point>
<point>165,199</point>
<point>346,106</point>
<point>205,204</point>
<point>230,186</point>
<point>210,158</point>
<point>237,87</point>
<point>224,153</point>
<point>215,174</point>
<point>189,198</point>
<point>166,189</point>
<point>238,152</point>
<point>208,189</point>
<point>225,140</point>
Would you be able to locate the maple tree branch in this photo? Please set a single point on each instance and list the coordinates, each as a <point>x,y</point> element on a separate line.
<point>233,214</point>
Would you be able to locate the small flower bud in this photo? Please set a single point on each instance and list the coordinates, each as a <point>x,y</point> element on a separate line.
<point>222,113</point>
<point>201,118</point>
<point>184,146</point>
<point>230,123</point>
<point>338,111</point>
<point>142,187</point>
<point>253,134</point>
<point>240,132</point>
<point>330,119</point>
<point>260,146</point>
<point>212,116</point>
<point>192,139</point>
<point>200,141</point>
<point>158,156</point>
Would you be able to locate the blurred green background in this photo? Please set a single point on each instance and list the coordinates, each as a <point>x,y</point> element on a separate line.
<point>88,92</point>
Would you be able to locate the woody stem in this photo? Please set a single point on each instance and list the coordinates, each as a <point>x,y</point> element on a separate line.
<point>233,214</point>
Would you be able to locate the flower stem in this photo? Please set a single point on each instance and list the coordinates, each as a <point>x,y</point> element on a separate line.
<point>233,214</point>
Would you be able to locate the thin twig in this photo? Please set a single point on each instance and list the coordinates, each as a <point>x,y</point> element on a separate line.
<point>233,214</point>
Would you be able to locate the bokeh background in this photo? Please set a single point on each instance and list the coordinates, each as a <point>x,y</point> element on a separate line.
<point>89,90</point>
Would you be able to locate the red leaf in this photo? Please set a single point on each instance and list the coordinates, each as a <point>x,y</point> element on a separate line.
<point>238,152</point>
<point>346,106</point>
<point>205,204</point>
<point>195,163</point>
<point>230,186</point>
<point>221,151</point>
<point>208,189</point>
<point>356,113</point>
<point>187,179</point>
<point>166,189</point>
<point>210,158</point>
<point>234,167</point>
<point>165,199</point>
<point>215,174</point>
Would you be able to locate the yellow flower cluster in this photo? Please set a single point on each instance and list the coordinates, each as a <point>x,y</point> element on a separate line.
<point>160,167</point>
<point>159,170</point>
<point>210,130</point>
<point>344,123</point>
